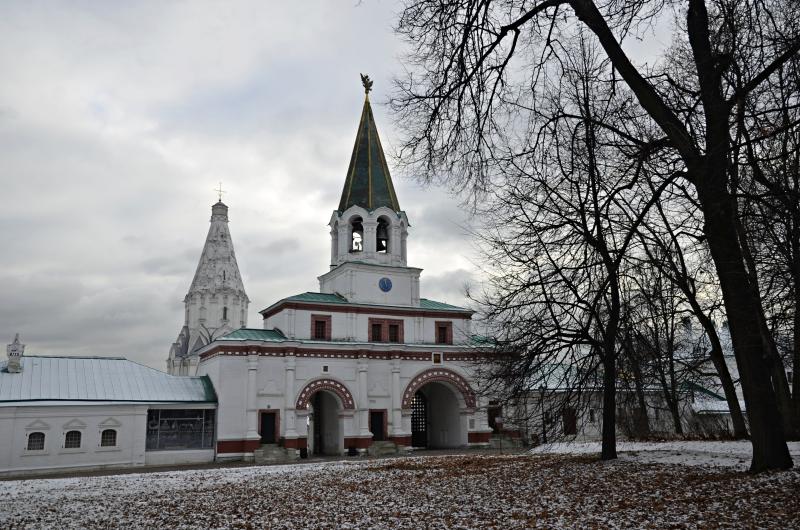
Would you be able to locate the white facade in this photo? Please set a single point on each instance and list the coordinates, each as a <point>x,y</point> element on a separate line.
<point>112,435</point>
<point>366,359</point>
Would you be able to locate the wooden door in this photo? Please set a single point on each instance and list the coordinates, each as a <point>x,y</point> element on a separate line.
<point>267,427</point>
<point>570,421</point>
<point>376,423</point>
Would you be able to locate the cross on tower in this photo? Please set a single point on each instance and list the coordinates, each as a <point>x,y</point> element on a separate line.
<point>220,191</point>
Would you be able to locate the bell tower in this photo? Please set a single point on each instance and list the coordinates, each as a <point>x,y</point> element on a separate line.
<point>369,230</point>
<point>216,302</point>
<point>369,225</point>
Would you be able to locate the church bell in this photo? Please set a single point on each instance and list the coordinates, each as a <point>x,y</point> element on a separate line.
<point>382,236</point>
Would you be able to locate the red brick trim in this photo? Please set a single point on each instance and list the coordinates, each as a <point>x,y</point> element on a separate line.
<point>358,442</point>
<point>317,318</point>
<point>385,323</point>
<point>320,353</point>
<point>401,440</point>
<point>440,375</point>
<point>324,383</point>
<point>478,437</point>
<point>448,334</point>
<point>372,310</point>
<point>237,446</point>
<point>295,443</point>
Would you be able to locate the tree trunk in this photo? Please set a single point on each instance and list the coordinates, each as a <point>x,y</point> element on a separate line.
<point>774,361</point>
<point>609,448</point>
<point>642,421</point>
<point>743,311</point>
<point>718,359</point>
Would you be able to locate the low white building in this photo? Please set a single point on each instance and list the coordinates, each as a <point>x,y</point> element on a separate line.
<point>70,413</point>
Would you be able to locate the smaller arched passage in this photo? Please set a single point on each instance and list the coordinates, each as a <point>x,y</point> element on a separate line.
<point>436,400</point>
<point>439,375</point>
<point>325,424</point>
<point>328,384</point>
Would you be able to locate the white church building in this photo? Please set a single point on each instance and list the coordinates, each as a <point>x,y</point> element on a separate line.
<point>364,364</point>
<point>366,359</point>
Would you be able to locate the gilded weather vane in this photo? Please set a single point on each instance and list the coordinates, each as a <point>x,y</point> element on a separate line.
<point>365,80</point>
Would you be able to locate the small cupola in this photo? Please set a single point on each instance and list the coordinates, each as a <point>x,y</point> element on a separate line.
<point>15,351</point>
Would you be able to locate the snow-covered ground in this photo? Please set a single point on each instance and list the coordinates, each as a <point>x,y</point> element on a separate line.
<point>454,491</point>
<point>735,454</point>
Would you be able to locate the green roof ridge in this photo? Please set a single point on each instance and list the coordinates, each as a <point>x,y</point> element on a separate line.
<point>368,183</point>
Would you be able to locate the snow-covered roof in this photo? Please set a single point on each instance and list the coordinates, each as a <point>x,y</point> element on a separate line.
<point>98,379</point>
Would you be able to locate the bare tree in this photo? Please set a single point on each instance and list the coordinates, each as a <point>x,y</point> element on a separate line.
<point>476,65</point>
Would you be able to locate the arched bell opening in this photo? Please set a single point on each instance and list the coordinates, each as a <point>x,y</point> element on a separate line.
<point>356,234</point>
<point>382,235</point>
<point>325,424</point>
<point>435,417</point>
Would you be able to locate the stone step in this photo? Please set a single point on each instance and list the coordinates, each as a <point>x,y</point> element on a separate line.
<point>498,441</point>
<point>272,453</point>
<point>382,448</point>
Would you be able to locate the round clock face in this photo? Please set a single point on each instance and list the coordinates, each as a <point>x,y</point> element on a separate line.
<point>385,284</point>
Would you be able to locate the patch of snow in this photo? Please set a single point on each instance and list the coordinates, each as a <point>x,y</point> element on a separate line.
<point>735,454</point>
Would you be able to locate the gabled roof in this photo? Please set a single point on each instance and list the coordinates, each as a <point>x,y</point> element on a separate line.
<point>98,379</point>
<point>332,298</point>
<point>368,183</point>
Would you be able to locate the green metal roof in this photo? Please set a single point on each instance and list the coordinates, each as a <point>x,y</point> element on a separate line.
<point>64,378</point>
<point>424,303</point>
<point>270,335</point>
<point>329,298</point>
<point>318,297</point>
<point>368,183</point>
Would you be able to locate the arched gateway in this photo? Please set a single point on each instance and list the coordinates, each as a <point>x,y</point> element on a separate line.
<point>436,400</point>
<point>325,399</point>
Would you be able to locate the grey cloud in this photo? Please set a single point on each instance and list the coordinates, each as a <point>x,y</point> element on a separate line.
<point>118,120</point>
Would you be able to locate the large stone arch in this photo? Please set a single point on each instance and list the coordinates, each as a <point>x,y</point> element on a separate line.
<point>439,375</point>
<point>325,383</point>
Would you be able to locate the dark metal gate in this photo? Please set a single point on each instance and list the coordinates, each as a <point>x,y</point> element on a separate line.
<point>419,421</point>
<point>316,403</point>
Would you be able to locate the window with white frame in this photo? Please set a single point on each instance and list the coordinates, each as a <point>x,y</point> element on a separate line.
<point>72,440</point>
<point>108,438</point>
<point>35,441</point>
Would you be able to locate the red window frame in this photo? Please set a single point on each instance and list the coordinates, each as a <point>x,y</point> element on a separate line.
<point>448,333</point>
<point>320,318</point>
<point>384,327</point>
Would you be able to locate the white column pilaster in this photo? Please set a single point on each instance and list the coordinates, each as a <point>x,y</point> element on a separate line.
<point>397,399</point>
<point>289,412</point>
<point>363,398</point>
<point>252,411</point>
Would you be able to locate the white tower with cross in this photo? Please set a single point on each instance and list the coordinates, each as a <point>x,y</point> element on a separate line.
<point>216,303</point>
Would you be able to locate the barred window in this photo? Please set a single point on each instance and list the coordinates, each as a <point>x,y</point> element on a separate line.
<point>108,438</point>
<point>72,440</point>
<point>36,441</point>
<point>169,429</point>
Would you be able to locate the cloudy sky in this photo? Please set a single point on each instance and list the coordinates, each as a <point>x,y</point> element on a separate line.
<point>118,119</point>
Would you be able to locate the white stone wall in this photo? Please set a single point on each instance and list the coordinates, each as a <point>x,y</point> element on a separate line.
<point>359,284</point>
<point>296,324</point>
<point>54,420</point>
<point>17,422</point>
<point>279,380</point>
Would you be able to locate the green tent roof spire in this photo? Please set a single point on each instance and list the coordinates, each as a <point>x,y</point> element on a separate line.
<point>368,182</point>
